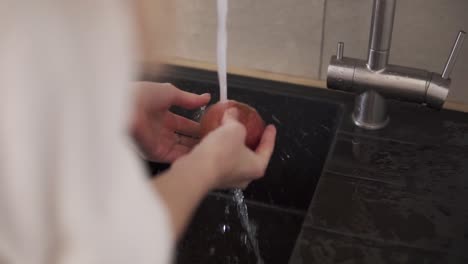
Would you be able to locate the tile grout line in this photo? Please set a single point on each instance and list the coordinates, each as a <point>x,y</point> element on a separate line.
<point>386,242</point>
<point>386,139</point>
<point>400,141</point>
<point>297,212</point>
<point>351,176</point>
<point>434,198</point>
<point>322,41</point>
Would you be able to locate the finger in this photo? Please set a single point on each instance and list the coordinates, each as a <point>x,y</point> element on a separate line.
<point>184,125</point>
<point>176,152</point>
<point>242,185</point>
<point>257,162</point>
<point>253,166</point>
<point>187,141</point>
<point>231,114</point>
<point>190,100</point>
<point>139,132</point>
<point>234,129</point>
<point>267,143</point>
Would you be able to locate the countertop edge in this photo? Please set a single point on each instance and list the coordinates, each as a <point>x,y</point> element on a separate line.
<point>150,67</point>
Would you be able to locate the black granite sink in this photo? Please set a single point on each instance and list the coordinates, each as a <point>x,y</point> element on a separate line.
<point>277,204</point>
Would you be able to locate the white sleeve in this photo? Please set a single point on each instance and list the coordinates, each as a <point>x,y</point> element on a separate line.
<point>71,190</point>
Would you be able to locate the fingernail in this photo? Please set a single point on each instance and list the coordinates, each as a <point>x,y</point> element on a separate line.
<point>232,112</point>
<point>206,94</point>
<point>271,127</point>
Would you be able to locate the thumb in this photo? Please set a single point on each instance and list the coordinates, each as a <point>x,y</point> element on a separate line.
<point>230,115</point>
<point>190,100</point>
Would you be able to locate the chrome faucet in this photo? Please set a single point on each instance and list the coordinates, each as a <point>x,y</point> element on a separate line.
<point>374,80</point>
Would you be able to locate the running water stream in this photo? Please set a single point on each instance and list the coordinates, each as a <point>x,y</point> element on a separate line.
<point>222,75</point>
<point>248,227</point>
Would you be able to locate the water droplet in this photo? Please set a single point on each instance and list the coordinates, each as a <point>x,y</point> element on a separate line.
<point>244,239</point>
<point>276,119</point>
<point>224,228</point>
<point>199,113</point>
<point>212,251</point>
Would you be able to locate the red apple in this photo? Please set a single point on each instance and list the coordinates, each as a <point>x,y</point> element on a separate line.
<point>248,116</point>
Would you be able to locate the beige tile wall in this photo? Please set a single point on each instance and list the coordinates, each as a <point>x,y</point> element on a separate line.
<point>263,34</point>
<point>297,37</point>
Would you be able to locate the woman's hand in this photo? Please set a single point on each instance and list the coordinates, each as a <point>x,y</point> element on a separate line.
<point>225,159</point>
<point>163,136</point>
<point>221,160</point>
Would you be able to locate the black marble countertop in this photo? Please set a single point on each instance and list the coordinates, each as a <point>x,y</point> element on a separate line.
<point>396,195</point>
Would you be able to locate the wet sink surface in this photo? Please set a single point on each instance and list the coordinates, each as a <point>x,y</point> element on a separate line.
<point>278,202</point>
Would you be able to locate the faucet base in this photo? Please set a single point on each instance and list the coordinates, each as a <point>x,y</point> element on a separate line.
<point>370,111</point>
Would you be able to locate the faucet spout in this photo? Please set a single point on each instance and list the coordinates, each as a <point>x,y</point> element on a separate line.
<point>383,15</point>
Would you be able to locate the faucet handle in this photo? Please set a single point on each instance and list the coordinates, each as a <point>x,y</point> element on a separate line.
<point>340,51</point>
<point>453,55</point>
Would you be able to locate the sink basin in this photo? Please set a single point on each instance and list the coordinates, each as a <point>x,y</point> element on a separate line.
<point>277,203</point>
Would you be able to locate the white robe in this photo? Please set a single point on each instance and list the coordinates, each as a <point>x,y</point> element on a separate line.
<point>71,189</point>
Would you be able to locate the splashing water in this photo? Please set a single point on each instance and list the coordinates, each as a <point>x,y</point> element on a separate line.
<point>222,76</point>
<point>249,227</point>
